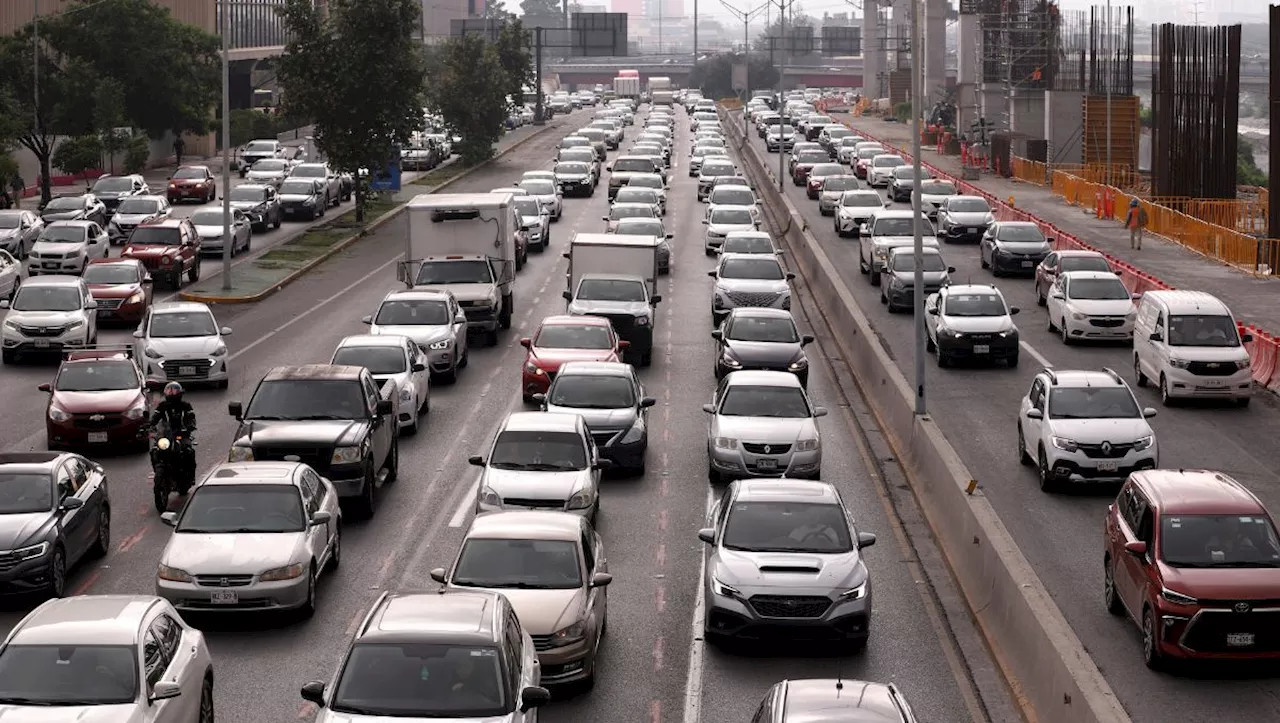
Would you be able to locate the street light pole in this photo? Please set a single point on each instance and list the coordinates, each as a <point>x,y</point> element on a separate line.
<point>228,243</point>
<point>782,91</point>
<point>917,106</point>
<point>745,16</point>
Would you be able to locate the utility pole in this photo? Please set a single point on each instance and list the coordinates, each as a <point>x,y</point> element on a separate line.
<point>917,107</point>
<point>660,18</point>
<point>695,31</point>
<point>539,113</point>
<point>228,243</point>
<point>745,16</point>
<point>1108,80</point>
<point>782,92</point>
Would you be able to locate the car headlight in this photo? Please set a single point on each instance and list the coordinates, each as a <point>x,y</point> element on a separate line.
<point>1144,443</point>
<point>808,445</point>
<point>309,202</point>
<point>856,593</point>
<point>581,500</point>
<point>136,413</point>
<point>1006,334</point>
<point>1177,598</point>
<point>74,325</point>
<point>136,298</point>
<point>31,552</point>
<point>533,368</point>
<point>11,325</point>
<point>1179,363</point>
<point>240,454</point>
<point>728,360</point>
<point>288,572</point>
<point>1131,316</point>
<point>1078,316</point>
<point>442,344</point>
<point>635,434</point>
<point>642,320</point>
<point>173,574</point>
<point>406,394</point>
<point>220,350</point>
<point>798,364</point>
<point>58,415</point>
<point>1244,363</point>
<point>1065,444</point>
<point>723,590</point>
<point>881,253</point>
<point>486,496</point>
<point>346,455</point>
<point>569,635</point>
<point>725,443</point>
<point>151,352</point>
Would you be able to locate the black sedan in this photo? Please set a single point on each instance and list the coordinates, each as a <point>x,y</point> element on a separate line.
<point>260,203</point>
<point>761,339</point>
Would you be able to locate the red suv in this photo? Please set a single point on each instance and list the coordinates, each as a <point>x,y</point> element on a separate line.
<point>167,248</point>
<point>1193,558</point>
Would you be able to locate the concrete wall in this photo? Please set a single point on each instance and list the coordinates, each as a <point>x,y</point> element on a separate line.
<point>1063,113</point>
<point>994,103</point>
<point>1027,118</point>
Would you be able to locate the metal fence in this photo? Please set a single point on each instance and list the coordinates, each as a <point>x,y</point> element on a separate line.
<point>253,23</point>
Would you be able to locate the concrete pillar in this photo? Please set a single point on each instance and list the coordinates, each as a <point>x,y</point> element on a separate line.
<point>969,71</point>
<point>1027,113</point>
<point>935,49</point>
<point>899,34</point>
<point>872,50</point>
<point>993,100</point>
<point>1063,125</point>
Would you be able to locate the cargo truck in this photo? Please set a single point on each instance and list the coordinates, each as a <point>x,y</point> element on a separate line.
<point>626,87</point>
<point>617,277</point>
<point>464,243</point>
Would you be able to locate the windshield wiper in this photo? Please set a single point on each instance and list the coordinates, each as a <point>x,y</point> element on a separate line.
<point>31,701</point>
<point>356,710</point>
<point>265,418</point>
<point>546,467</point>
<point>509,465</point>
<point>1243,564</point>
<point>319,417</point>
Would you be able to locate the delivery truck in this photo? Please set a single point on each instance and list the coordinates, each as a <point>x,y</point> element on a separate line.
<point>464,243</point>
<point>617,277</point>
<point>625,87</point>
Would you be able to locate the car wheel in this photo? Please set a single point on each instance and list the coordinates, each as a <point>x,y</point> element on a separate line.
<point>102,544</point>
<point>1150,646</point>
<point>1012,361</point>
<point>393,462</point>
<point>1046,474</point>
<point>1040,299</point>
<point>1137,372</point>
<point>279,220</point>
<point>309,607</point>
<point>193,273</point>
<point>929,346</point>
<point>943,359</point>
<point>1066,336</point>
<point>1165,397</point>
<point>335,552</point>
<point>982,259</point>
<point>206,701</point>
<point>1109,596</point>
<point>713,476</point>
<point>412,428</point>
<point>1049,325</point>
<point>364,505</point>
<point>1023,457</point>
<point>58,574</point>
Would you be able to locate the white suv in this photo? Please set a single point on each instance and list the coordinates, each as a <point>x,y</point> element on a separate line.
<point>1084,426</point>
<point>49,314</point>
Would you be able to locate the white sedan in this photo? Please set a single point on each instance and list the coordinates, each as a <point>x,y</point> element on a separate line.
<point>392,357</point>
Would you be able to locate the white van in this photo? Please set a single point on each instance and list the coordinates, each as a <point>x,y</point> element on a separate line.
<point>1188,343</point>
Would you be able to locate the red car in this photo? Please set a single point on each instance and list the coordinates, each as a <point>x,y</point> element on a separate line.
<point>561,339</point>
<point>168,248</point>
<point>122,288</point>
<point>1193,558</point>
<point>192,183</point>
<point>805,163</point>
<point>98,398</point>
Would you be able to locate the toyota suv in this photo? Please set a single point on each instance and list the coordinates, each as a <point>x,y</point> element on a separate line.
<point>1081,426</point>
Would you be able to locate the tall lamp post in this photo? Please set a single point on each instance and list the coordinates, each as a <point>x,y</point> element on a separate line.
<point>917,107</point>
<point>746,17</point>
<point>228,243</point>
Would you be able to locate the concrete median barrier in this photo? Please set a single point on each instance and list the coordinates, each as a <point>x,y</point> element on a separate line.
<point>1051,674</point>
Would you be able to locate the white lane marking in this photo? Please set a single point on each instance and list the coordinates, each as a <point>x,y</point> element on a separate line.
<point>1036,355</point>
<point>465,506</point>
<point>697,646</point>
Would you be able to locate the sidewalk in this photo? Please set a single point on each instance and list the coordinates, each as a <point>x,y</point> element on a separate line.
<point>1252,298</point>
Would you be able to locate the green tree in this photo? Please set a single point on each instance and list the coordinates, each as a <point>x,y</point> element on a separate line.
<point>79,154</point>
<point>109,120</point>
<point>714,74</point>
<point>1247,171</point>
<point>547,13</point>
<point>516,60</point>
<point>359,74</point>
<point>497,10</point>
<point>460,88</point>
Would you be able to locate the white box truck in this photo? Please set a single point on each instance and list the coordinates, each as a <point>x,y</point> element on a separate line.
<point>660,82</point>
<point>617,277</point>
<point>626,87</point>
<point>464,243</point>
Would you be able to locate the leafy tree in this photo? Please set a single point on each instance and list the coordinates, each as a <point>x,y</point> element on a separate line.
<point>358,73</point>
<point>547,13</point>
<point>109,119</point>
<point>516,60</point>
<point>460,87</point>
<point>714,74</point>
<point>79,154</point>
<point>497,10</point>
<point>1247,171</point>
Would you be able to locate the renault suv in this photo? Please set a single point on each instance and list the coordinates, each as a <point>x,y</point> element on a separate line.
<point>762,425</point>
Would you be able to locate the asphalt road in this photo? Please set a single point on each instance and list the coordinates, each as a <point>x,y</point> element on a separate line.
<point>649,524</point>
<point>1061,534</point>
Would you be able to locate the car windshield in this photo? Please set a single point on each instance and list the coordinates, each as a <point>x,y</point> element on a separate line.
<point>208,217</point>
<point>11,220</point>
<point>269,165</point>
<point>904,173</point>
<point>71,203</point>
<point>710,170</point>
<point>907,262</point>
<point>868,153</point>
<point>637,211</point>
<point>114,184</point>
<point>1020,234</point>
<point>1203,330</point>
<point>732,196</point>
<point>974,305</point>
<point>475,271</point>
<point>901,227</point>
<point>47,298</point>
<point>308,171</point>
<point>377,359</point>
<point>25,492</point>
<point>840,183</point>
<point>140,206</point>
<point>779,330</point>
<point>246,194</point>
<point>968,204</point>
<point>763,269</point>
<point>422,680</point>
<point>521,564</point>
<point>216,509</point>
<point>64,234</point>
<point>778,130</point>
<point>811,157</point>
<point>574,336</point>
<point>196,173</point>
<point>305,399</point>
<point>758,401</point>
<point>526,206</point>
<point>413,312</point>
<point>835,132</point>
<point>539,450</point>
<point>887,161</point>
<point>1218,541</point>
<point>641,227</point>
<point>633,165</point>
<point>182,325</point>
<point>297,188</point>
<point>1084,263</point>
<point>573,169</point>
<point>574,142</point>
<point>636,195</point>
<point>538,187</point>
<point>747,245</point>
<point>1097,289</point>
<point>813,527</point>
<point>732,216</point>
<point>260,147</point>
<point>592,391</point>
<point>651,182</point>
<point>1092,403</point>
<point>68,675</point>
<point>937,188</point>
<point>101,376</point>
<point>861,200</point>
<point>722,181</point>
<point>110,274</point>
<point>156,236</point>
<point>827,169</point>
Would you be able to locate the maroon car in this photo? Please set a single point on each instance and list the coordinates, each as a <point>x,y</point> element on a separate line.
<point>805,161</point>
<point>98,398</point>
<point>168,248</point>
<point>122,288</point>
<point>192,183</point>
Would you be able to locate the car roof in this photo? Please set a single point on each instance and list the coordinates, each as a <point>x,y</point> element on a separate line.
<point>786,490</point>
<point>389,340</point>
<point>202,167</point>
<point>80,356</point>
<point>418,294</point>
<point>254,473</point>
<point>165,223</point>
<point>972,289</point>
<point>86,620</point>
<point>1080,253</point>
<point>33,460</point>
<point>78,223</point>
<point>761,312</point>
<point>1089,275</point>
<point>1083,378</point>
<point>527,525</point>
<point>748,234</point>
<point>540,422</point>
<point>1181,301</point>
<point>925,251</point>
<point>313,371</point>
<point>52,280</point>
<point>1018,224</point>
<point>595,369</point>
<point>180,307</point>
<point>842,701</point>
<point>251,186</point>
<point>574,320</point>
<point>762,379</point>
<point>897,213</point>
<point>1197,492</point>
<point>445,616</point>
<point>752,257</point>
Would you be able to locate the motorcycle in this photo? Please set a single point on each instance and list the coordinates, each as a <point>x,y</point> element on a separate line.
<point>172,465</point>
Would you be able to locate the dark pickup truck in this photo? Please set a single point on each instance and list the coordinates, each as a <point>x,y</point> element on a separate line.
<point>334,418</point>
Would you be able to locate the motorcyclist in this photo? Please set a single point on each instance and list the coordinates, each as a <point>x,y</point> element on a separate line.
<point>180,418</point>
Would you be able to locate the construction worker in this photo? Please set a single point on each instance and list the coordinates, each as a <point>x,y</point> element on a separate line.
<point>1135,221</point>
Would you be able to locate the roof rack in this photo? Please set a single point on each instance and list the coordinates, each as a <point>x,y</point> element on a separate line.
<point>1112,373</point>
<point>99,351</point>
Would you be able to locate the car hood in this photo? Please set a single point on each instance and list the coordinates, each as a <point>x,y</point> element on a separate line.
<point>265,175</point>
<point>594,306</point>
<point>402,379</point>
<point>600,420</point>
<point>232,554</point>
<point>113,291</point>
<point>245,205</point>
<point>863,212</point>
<point>116,400</point>
<point>209,231</point>
<point>19,530</point>
<point>132,219</point>
<point>49,216</point>
<point>931,278</point>
<point>1220,583</point>
<point>534,485</point>
<point>528,221</point>
<point>543,612</point>
<point>616,177</point>
<point>751,353</point>
<point>724,228</point>
<point>328,716</point>
<point>1024,247</point>
<point>572,176</point>
<point>123,713</point>
<point>295,197</point>
<point>287,433</point>
<point>970,218</point>
<point>1096,431</point>
<point>1102,307</point>
<point>422,334</point>
<point>41,248</point>
<point>180,346</point>
<point>934,199</point>
<point>43,318</point>
<point>766,430</point>
<point>789,569</point>
<point>148,251</point>
<point>979,324</point>
<point>751,285</point>
<point>553,358</point>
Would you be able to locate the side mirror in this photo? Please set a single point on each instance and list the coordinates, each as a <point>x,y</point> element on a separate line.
<point>170,519</point>
<point>604,218</point>
<point>712,273</point>
<point>1156,336</point>
<point>438,575</point>
<point>624,344</point>
<point>475,461</point>
<point>1013,310</point>
<point>866,539</point>
<point>647,402</point>
<point>460,318</point>
<point>601,579</point>
<point>1058,295</point>
<point>657,299</point>
<point>820,412</point>
<point>366,320</point>
<point>709,408</point>
<point>313,692</point>
<point>705,222</point>
<point>225,331</point>
<point>235,409</point>
<point>1137,548</point>
<point>1138,297</point>
<point>46,387</point>
<point>1034,413</point>
<point>1149,412</point>
<point>670,236</point>
<point>164,690</point>
<point>533,697</point>
<point>526,342</point>
<point>146,279</point>
<point>707,535</point>
<point>71,503</point>
<point>609,167</point>
<point>568,295</point>
<point>717,335</point>
<point>602,464</point>
<point>790,276</point>
<point>951,269</point>
<point>932,311</point>
<point>137,334</point>
<point>385,406</point>
<point>1244,338</point>
<point>419,367</point>
<point>91,306</point>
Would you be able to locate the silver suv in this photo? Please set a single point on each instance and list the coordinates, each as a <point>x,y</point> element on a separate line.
<point>749,280</point>
<point>763,425</point>
<point>49,314</point>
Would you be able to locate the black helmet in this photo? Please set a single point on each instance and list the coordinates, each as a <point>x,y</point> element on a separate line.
<point>173,391</point>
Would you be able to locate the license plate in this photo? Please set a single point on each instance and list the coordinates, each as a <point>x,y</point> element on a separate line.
<point>981,348</point>
<point>42,343</point>
<point>766,465</point>
<point>186,371</point>
<point>97,438</point>
<point>1107,466</point>
<point>1027,265</point>
<point>1213,383</point>
<point>973,230</point>
<point>48,265</point>
<point>104,312</point>
<point>224,597</point>
<point>1239,640</point>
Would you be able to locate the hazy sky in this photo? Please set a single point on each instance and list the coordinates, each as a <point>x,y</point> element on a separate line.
<point>1180,11</point>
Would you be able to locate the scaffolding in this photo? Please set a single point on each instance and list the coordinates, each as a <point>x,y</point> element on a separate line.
<point>1096,59</point>
<point>1019,49</point>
